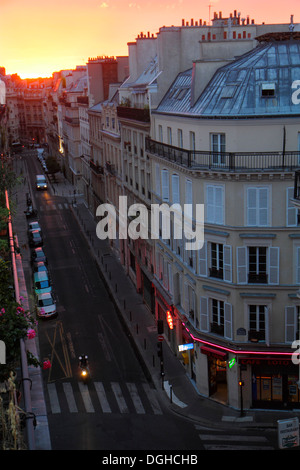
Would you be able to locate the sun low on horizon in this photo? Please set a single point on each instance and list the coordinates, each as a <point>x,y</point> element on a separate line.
<point>40,38</point>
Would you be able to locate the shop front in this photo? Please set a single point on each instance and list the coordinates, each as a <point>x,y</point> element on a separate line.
<point>273,382</point>
<point>217,373</point>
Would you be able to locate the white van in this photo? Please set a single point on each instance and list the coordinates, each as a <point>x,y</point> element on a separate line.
<point>41,182</point>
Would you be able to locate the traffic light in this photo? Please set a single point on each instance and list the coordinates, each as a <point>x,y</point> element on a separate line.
<point>241,383</point>
<point>159,349</point>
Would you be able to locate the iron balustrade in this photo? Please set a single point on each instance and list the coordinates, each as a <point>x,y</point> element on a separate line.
<point>227,161</point>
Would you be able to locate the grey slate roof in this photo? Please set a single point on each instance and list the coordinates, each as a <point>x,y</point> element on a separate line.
<point>235,91</point>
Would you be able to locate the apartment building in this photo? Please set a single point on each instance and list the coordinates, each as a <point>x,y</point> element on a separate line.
<point>234,148</point>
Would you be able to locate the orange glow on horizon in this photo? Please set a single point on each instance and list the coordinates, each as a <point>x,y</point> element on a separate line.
<point>44,37</point>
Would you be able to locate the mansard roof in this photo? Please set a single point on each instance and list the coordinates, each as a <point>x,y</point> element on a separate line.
<point>256,84</point>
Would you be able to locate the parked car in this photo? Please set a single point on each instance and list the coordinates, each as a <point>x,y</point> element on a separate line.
<point>35,238</point>
<point>46,307</point>
<point>38,254</point>
<point>41,282</point>
<point>30,211</point>
<point>34,225</point>
<point>39,267</point>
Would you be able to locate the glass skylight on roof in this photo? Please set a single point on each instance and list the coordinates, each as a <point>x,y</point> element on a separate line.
<point>228,91</point>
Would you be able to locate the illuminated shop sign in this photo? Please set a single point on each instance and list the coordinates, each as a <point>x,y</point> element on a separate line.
<point>185,347</point>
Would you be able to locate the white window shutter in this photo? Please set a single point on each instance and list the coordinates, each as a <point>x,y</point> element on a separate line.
<point>165,273</point>
<point>219,204</point>
<point>291,211</point>
<point>165,185</point>
<point>290,324</point>
<point>263,203</point>
<point>203,260</point>
<point>267,326</point>
<point>186,298</point>
<point>273,265</point>
<point>241,264</point>
<point>251,206</point>
<point>175,190</point>
<point>227,320</point>
<point>227,263</point>
<point>170,277</point>
<point>157,179</point>
<point>204,319</point>
<point>210,206</point>
<point>298,265</point>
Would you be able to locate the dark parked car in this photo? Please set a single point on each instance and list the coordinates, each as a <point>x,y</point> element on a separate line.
<point>37,255</point>
<point>35,238</point>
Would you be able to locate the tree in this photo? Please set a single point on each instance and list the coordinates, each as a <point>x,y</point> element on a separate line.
<point>52,165</point>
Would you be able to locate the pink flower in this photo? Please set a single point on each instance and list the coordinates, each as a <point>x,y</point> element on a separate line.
<point>2,311</point>
<point>30,333</point>
<point>20,310</point>
<point>46,364</point>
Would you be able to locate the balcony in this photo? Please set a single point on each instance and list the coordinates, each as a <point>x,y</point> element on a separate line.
<point>110,168</point>
<point>96,168</point>
<point>233,162</point>
<point>136,114</point>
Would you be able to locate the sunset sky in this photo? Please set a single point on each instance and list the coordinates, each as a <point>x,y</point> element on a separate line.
<point>39,37</point>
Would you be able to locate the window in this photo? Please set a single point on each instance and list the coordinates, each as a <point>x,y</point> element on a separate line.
<point>218,148</point>
<point>257,323</point>
<point>217,324</point>
<point>190,302</point>
<point>193,144</point>
<point>165,185</point>
<point>214,206</point>
<point>216,269</point>
<point>175,189</point>
<point>189,198</point>
<point>268,90</point>
<point>180,138</point>
<point>258,265</point>
<point>257,272</point>
<point>160,133</point>
<point>169,131</point>
<point>258,207</point>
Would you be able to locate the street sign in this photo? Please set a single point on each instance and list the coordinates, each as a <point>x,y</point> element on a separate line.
<point>288,433</point>
<point>185,347</point>
<point>160,338</point>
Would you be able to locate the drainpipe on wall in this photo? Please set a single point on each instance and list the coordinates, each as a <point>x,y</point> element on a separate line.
<point>24,364</point>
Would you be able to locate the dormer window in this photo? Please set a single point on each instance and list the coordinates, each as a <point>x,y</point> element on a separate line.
<point>268,90</point>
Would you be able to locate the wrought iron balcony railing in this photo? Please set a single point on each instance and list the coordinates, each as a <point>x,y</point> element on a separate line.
<point>227,161</point>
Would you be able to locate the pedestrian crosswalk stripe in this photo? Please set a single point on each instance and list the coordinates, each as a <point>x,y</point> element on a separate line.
<point>102,397</point>
<point>53,398</point>
<point>119,397</point>
<point>78,394</point>
<point>135,398</point>
<point>70,397</point>
<point>86,398</point>
<point>152,399</point>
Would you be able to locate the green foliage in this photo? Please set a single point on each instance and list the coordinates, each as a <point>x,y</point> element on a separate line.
<point>15,323</point>
<point>52,165</point>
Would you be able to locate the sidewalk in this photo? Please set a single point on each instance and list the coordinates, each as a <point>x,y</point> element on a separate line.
<point>177,390</point>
